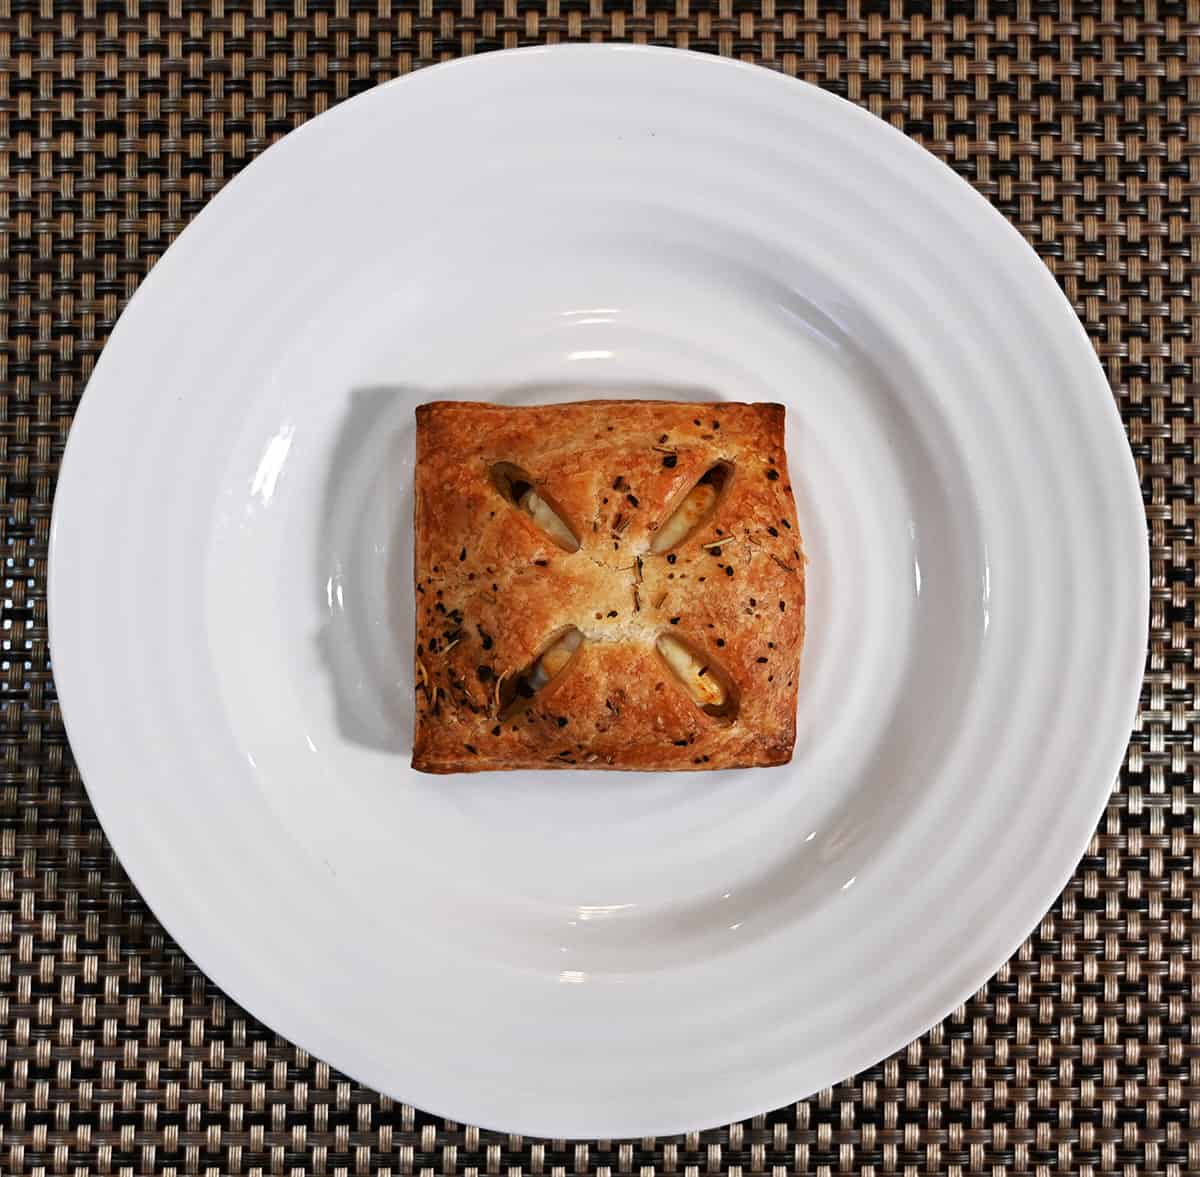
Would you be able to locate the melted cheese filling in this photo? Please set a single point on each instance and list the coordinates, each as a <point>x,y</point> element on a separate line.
<point>703,686</point>
<point>699,502</point>
<point>554,659</point>
<point>547,519</point>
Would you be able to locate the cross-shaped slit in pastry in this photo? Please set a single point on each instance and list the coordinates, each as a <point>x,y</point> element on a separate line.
<point>702,677</point>
<point>517,691</point>
<point>518,488</point>
<point>697,505</point>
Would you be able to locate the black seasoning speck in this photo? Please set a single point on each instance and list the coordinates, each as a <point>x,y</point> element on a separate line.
<point>786,524</point>
<point>679,743</point>
<point>631,500</point>
<point>463,554</point>
<point>674,620</point>
<point>760,660</point>
<point>753,601</point>
<point>669,461</point>
<point>562,721</point>
<point>728,569</point>
<point>783,606</point>
<point>471,748</point>
<point>486,639</point>
<point>695,420</point>
<point>484,672</point>
<point>716,424</point>
<point>714,551</point>
<point>612,613</point>
<point>672,558</point>
<point>618,482</point>
<point>541,563</point>
<point>496,730</point>
<point>774,531</point>
<point>720,641</point>
<point>662,440</point>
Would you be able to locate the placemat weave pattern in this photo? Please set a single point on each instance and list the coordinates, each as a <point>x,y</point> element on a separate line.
<point>1080,121</point>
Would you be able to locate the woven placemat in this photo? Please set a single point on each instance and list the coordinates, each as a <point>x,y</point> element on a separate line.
<point>1079,121</point>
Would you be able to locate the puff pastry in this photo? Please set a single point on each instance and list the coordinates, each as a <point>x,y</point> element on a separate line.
<point>605,584</point>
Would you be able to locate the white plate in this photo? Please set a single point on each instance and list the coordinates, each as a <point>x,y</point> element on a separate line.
<point>574,953</point>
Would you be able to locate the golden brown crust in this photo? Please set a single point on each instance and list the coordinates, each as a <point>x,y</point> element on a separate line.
<point>492,588</point>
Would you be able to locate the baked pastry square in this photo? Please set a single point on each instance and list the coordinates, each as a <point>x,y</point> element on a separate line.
<point>605,584</point>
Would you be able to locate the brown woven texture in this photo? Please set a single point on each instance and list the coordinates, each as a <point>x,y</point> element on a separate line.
<point>1079,121</point>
